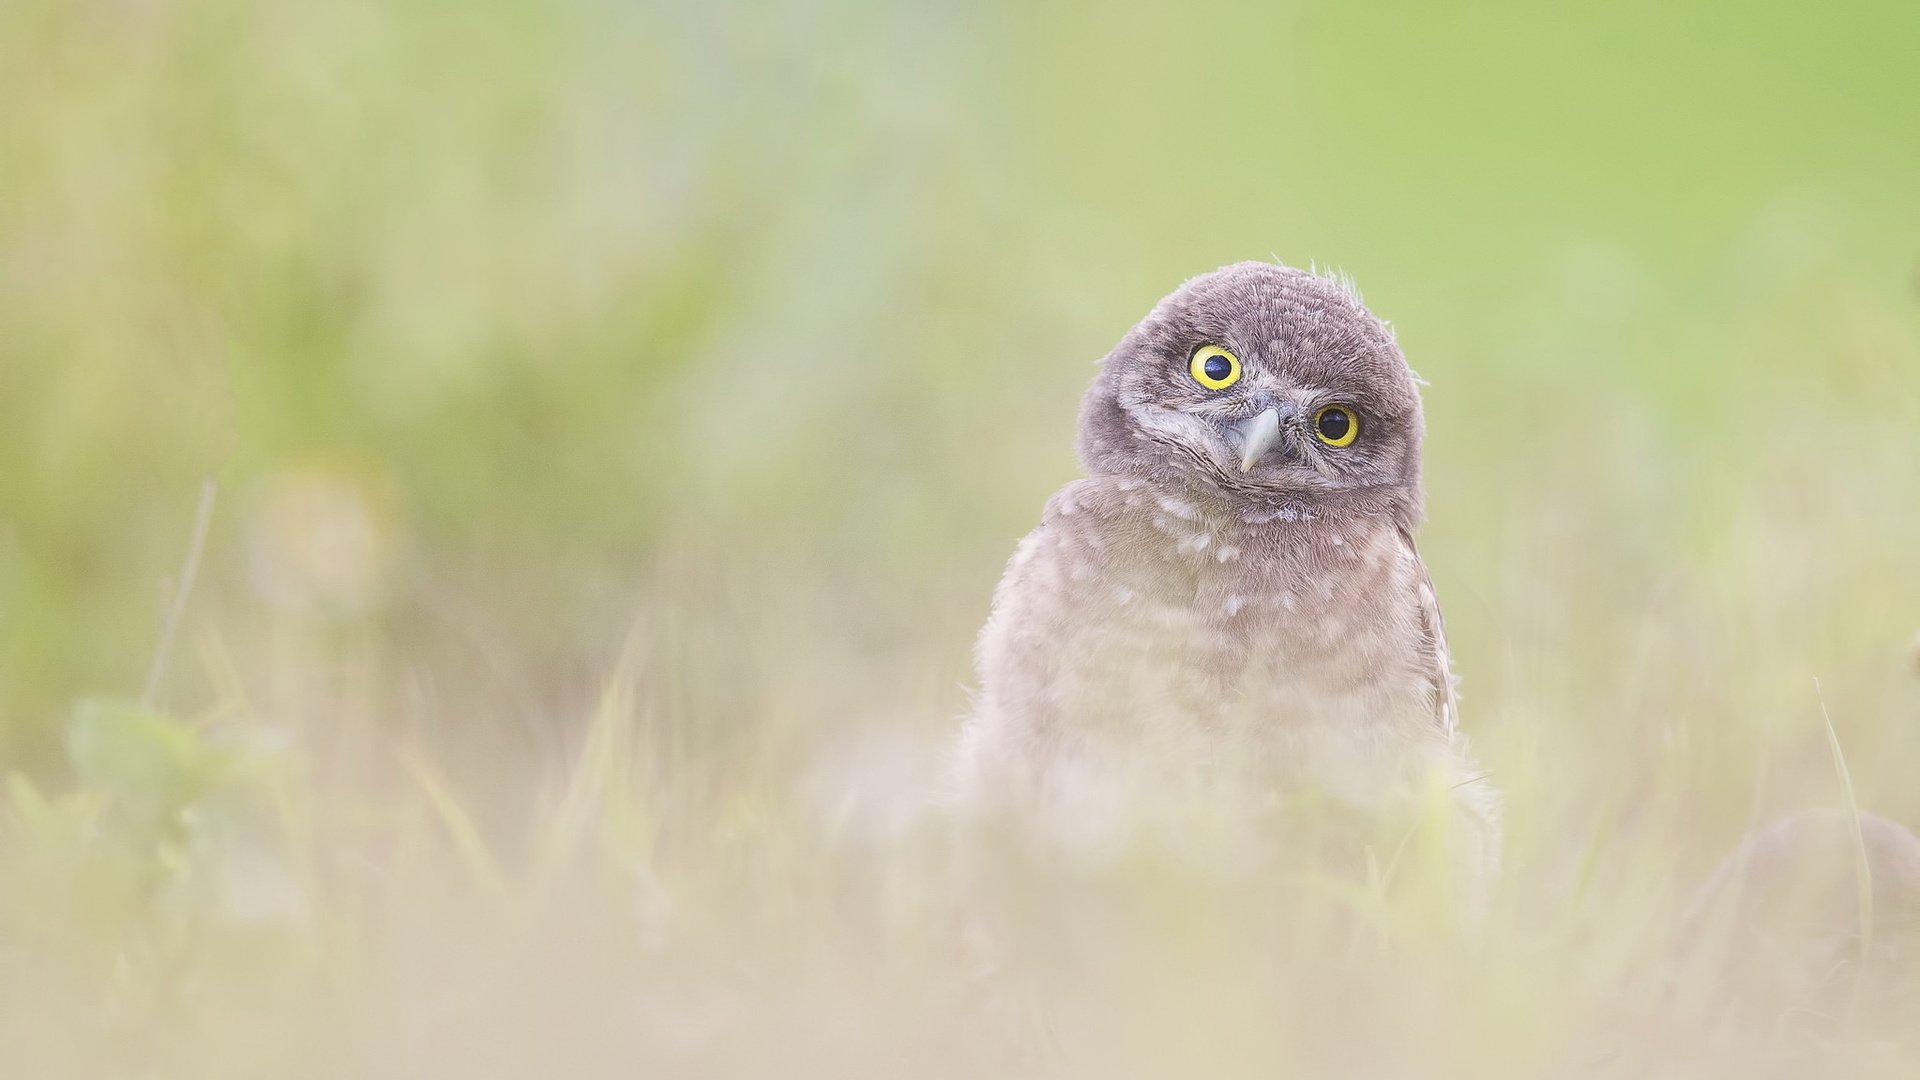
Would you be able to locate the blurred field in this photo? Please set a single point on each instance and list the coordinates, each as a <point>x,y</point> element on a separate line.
<point>620,413</point>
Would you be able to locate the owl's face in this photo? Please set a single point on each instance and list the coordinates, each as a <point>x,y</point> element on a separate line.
<point>1267,383</point>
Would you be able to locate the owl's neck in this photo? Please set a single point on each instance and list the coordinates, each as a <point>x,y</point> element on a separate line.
<point>1256,507</point>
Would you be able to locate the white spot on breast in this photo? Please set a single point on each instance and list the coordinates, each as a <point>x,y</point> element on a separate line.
<point>1196,543</point>
<point>1268,517</point>
<point>1337,540</point>
<point>1286,600</point>
<point>1234,603</point>
<point>1179,509</point>
<point>1122,595</point>
<point>1226,553</point>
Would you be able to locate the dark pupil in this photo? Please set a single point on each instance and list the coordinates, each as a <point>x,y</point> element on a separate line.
<point>1217,367</point>
<point>1334,424</point>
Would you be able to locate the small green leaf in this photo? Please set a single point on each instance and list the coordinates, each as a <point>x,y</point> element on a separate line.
<point>151,764</point>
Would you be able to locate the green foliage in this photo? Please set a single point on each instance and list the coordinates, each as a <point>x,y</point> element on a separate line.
<point>161,882</point>
<point>155,767</point>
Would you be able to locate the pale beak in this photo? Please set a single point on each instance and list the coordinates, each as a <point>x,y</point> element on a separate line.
<point>1257,436</point>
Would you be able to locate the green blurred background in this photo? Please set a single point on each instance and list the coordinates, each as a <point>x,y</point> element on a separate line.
<point>516,332</point>
<point>621,411</point>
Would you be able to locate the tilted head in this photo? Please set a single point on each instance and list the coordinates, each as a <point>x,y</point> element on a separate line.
<point>1271,385</point>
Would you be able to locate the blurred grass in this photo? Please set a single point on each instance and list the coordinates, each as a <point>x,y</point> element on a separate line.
<point>672,381</point>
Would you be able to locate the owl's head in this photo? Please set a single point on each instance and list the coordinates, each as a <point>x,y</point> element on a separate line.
<point>1271,385</point>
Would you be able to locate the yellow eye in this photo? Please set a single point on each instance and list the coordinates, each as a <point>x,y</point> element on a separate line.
<point>1214,367</point>
<point>1336,425</point>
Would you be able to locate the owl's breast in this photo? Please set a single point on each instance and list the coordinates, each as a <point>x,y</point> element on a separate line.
<point>1145,657</point>
<point>1148,616</point>
<point>1329,627</point>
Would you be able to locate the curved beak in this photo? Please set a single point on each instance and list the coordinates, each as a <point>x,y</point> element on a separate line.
<point>1257,436</point>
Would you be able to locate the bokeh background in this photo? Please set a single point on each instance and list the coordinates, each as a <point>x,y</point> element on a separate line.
<point>618,414</point>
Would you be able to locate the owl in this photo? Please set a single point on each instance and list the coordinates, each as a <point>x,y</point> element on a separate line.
<point>1228,613</point>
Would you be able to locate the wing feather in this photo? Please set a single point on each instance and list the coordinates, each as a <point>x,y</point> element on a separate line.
<point>1445,685</point>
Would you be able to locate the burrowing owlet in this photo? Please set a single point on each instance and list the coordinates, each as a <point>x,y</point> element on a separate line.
<point>1229,608</point>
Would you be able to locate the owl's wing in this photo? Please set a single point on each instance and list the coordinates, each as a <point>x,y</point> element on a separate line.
<point>1445,694</point>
